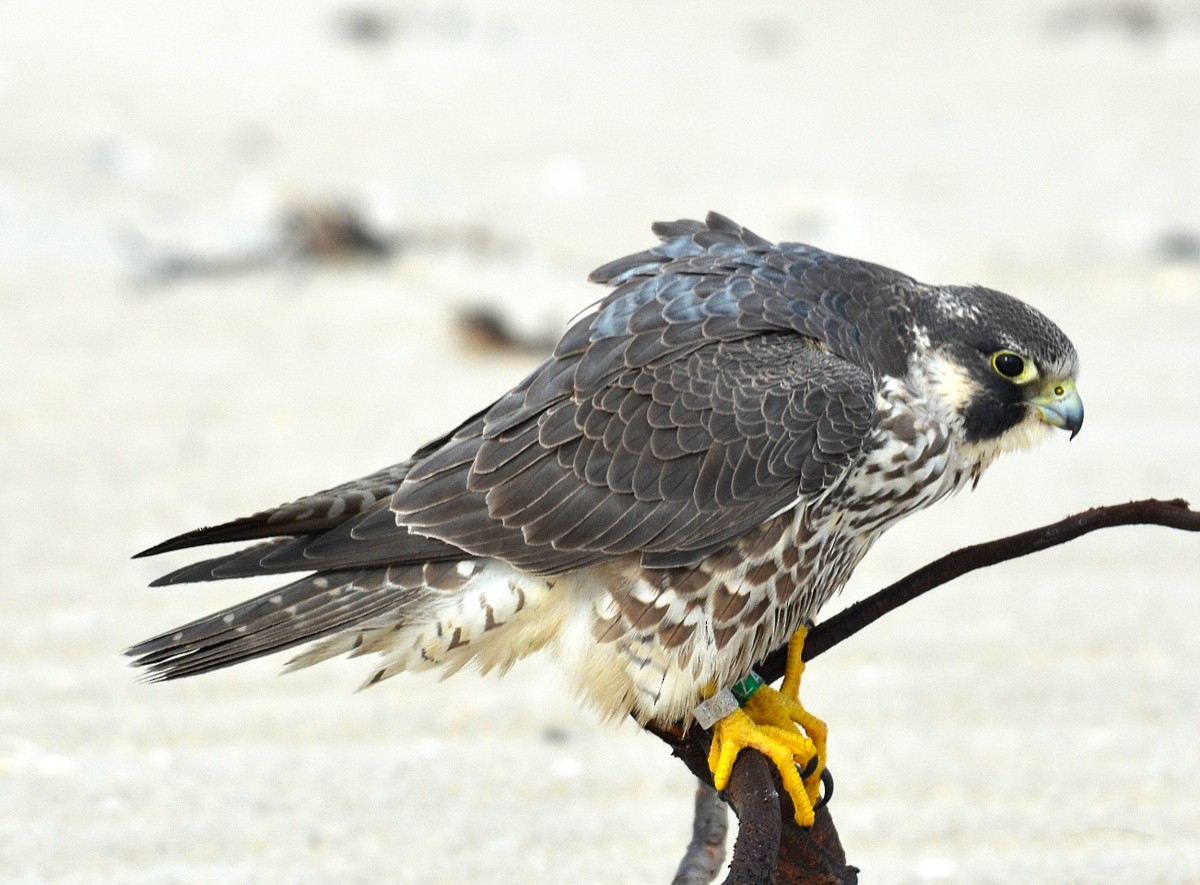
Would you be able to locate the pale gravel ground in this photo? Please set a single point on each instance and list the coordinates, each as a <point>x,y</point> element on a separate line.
<point>1036,723</point>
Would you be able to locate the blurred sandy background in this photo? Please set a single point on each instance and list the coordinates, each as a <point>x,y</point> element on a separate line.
<point>171,356</point>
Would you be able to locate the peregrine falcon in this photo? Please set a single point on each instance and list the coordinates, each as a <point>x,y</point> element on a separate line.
<point>673,494</point>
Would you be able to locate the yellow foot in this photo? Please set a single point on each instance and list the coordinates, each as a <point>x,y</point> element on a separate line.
<point>767,722</point>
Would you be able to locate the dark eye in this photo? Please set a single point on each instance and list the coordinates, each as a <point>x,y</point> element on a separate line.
<point>1008,364</point>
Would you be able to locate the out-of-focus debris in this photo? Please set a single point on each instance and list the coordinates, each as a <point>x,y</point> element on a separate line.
<point>365,25</point>
<point>555,734</point>
<point>371,25</point>
<point>332,232</point>
<point>1135,19</point>
<point>1178,246</point>
<point>304,234</point>
<point>483,329</point>
<point>163,267</point>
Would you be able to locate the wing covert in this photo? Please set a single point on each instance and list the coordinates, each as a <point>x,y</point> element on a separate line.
<point>671,459</point>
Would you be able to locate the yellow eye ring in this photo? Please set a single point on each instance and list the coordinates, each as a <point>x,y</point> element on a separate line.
<point>1013,367</point>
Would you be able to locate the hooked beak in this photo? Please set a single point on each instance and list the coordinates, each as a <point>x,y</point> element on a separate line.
<point>1059,405</point>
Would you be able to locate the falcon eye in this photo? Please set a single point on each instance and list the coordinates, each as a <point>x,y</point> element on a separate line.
<point>1012,366</point>
<point>1008,364</point>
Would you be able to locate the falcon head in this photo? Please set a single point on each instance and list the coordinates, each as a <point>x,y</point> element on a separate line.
<point>1002,370</point>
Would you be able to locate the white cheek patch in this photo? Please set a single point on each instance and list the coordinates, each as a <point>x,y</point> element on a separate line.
<point>945,385</point>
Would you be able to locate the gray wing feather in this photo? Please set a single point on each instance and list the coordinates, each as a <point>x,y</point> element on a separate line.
<point>722,379</point>
<point>381,543</point>
<point>751,425</point>
<point>307,609</point>
<point>307,515</point>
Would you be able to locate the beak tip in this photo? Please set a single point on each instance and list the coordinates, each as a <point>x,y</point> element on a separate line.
<point>1075,424</point>
<point>1061,407</point>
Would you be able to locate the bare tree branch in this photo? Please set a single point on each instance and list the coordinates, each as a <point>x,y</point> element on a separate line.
<point>1172,514</point>
<point>770,847</point>
<point>706,852</point>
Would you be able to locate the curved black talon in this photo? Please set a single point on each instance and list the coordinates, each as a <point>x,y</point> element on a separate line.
<point>827,793</point>
<point>807,770</point>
